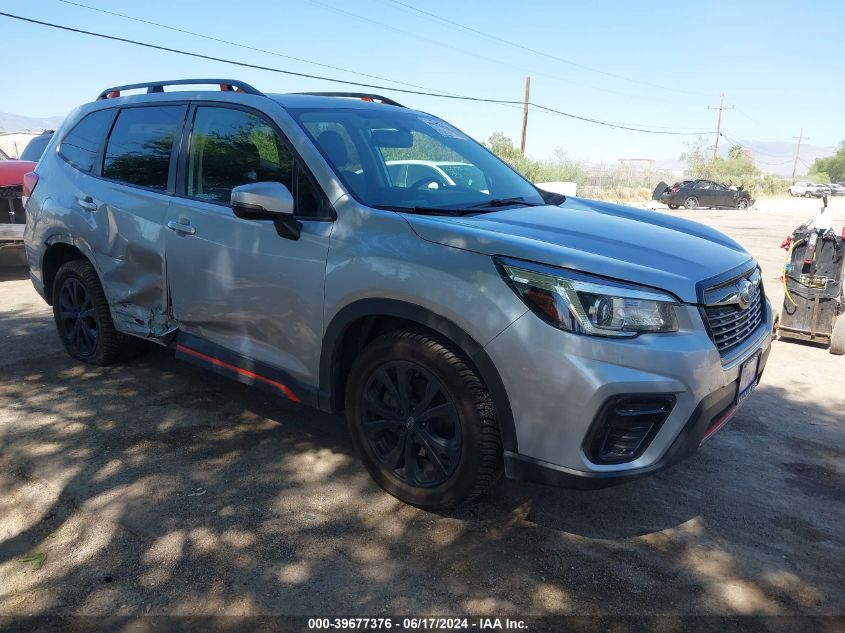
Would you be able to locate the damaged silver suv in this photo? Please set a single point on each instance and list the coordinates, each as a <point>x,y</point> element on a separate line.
<point>348,253</point>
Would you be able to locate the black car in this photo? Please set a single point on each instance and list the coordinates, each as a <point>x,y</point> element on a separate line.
<point>694,194</point>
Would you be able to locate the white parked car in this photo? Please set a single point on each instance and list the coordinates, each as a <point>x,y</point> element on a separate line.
<point>436,174</point>
<point>807,189</point>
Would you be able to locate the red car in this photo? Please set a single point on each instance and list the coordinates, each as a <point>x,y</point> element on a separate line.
<point>12,218</point>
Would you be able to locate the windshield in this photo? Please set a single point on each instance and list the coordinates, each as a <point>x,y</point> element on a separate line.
<point>407,160</point>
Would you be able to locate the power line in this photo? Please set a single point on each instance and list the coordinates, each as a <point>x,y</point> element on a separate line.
<point>534,51</point>
<point>498,62</point>
<point>307,61</point>
<point>336,80</point>
<point>244,46</point>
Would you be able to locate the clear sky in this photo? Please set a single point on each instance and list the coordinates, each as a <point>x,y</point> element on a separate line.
<point>654,64</point>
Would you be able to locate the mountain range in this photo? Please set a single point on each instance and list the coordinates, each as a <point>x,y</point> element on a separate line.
<point>18,123</point>
<point>771,157</point>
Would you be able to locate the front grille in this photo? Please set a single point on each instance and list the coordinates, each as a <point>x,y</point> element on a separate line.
<point>730,325</point>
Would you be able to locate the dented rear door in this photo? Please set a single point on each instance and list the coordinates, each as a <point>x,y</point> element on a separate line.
<point>129,202</point>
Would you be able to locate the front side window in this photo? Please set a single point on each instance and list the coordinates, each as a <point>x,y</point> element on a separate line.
<point>140,145</point>
<point>81,145</point>
<point>231,147</point>
<point>401,159</point>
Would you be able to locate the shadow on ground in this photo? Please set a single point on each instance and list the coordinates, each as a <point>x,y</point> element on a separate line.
<point>153,487</point>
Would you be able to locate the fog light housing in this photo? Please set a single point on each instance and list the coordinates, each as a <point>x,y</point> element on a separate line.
<point>625,426</point>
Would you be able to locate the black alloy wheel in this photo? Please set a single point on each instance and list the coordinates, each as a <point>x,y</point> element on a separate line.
<point>77,318</point>
<point>411,424</point>
<point>422,420</point>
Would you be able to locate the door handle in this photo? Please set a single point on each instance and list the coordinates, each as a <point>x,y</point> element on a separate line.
<point>182,226</point>
<point>87,203</point>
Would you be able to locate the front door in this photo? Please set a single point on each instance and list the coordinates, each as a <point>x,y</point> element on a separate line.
<point>248,302</point>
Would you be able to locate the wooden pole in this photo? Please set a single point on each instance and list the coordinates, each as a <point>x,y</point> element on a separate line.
<point>525,115</point>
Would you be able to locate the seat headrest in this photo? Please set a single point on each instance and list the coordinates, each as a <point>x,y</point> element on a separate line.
<point>335,149</point>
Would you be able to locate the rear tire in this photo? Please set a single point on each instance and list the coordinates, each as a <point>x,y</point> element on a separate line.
<point>83,319</point>
<point>691,203</point>
<point>837,337</point>
<point>422,421</point>
<point>673,206</point>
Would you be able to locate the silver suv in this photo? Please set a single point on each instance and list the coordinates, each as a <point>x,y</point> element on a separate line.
<point>465,330</point>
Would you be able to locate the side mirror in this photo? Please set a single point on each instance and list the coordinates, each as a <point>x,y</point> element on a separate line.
<point>267,201</point>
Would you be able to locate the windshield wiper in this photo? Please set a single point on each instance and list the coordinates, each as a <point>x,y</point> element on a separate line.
<point>503,202</point>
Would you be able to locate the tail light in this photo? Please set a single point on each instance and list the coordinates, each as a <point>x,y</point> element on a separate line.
<point>30,179</point>
<point>675,189</point>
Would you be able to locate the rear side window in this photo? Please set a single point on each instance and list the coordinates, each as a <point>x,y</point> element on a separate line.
<point>81,145</point>
<point>141,142</point>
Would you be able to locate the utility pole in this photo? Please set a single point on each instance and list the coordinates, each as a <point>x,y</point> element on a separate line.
<point>800,138</point>
<point>525,115</point>
<point>719,121</point>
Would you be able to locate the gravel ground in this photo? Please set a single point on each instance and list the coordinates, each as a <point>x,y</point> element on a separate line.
<point>155,488</point>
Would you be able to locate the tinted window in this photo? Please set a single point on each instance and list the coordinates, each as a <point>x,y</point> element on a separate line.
<point>139,147</point>
<point>702,184</point>
<point>309,199</point>
<point>231,147</point>
<point>81,145</point>
<point>35,148</point>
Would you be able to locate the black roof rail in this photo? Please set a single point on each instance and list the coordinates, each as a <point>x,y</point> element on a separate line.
<point>363,96</point>
<point>158,86</point>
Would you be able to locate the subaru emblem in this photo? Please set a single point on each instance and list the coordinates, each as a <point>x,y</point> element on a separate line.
<point>746,293</point>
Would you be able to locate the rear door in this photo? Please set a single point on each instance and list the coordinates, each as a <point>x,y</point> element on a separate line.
<point>132,196</point>
<point>247,300</point>
<point>116,171</point>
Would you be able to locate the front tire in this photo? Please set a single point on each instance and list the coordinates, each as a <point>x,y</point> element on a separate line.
<point>742,204</point>
<point>422,421</point>
<point>83,319</point>
<point>691,203</point>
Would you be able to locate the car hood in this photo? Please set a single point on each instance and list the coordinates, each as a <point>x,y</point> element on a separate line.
<point>644,247</point>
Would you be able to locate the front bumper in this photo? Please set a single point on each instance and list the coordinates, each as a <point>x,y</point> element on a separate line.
<point>557,382</point>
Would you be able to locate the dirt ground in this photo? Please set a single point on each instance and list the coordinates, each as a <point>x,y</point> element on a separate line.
<point>155,488</point>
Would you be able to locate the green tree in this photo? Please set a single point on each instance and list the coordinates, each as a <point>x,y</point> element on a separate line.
<point>558,168</point>
<point>831,166</point>
<point>735,169</point>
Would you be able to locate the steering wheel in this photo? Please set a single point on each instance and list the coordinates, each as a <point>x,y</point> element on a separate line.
<point>426,181</point>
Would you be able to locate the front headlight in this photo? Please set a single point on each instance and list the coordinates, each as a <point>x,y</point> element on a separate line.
<point>589,305</point>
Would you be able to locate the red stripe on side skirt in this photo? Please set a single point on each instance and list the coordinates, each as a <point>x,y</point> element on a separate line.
<point>238,370</point>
